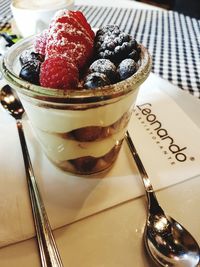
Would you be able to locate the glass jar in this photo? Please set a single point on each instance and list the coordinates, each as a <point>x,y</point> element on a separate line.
<point>80,131</point>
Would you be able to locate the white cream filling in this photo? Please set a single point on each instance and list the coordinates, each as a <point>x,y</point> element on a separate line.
<point>63,121</point>
<point>60,149</point>
<point>48,121</point>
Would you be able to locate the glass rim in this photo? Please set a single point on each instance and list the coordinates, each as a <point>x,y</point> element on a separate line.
<point>72,95</point>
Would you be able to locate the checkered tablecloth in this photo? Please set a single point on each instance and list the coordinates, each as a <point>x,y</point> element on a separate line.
<point>5,15</point>
<point>172,39</point>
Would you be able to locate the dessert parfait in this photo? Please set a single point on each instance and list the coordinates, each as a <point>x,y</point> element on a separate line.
<point>78,88</point>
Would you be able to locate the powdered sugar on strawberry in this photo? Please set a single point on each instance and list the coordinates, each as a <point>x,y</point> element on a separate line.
<point>40,42</point>
<point>66,40</point>
<point>74,18</point>
<point>69,38</point>
<point>58,72</point>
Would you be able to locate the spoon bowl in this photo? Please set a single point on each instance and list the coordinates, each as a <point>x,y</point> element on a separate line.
<point>11,103</point>
<point>167,241</point>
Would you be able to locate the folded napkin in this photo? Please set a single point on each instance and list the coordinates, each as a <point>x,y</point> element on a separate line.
<point>68,197</point>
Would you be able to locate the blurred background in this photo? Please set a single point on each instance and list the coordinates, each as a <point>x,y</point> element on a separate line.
<point>187,7</point>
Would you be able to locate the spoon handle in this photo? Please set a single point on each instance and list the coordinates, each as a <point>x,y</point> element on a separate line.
<point>153,204</point>
<point>47,246</point>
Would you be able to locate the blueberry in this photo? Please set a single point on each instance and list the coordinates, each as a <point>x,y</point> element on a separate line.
<point>96,79</point>
<point>110,45</point>
<point>30,71</point>
<point>29,55</point>
<point>127,68</point>
<point>106,67</point>
<point>109,54</point>
<point>134,55</point>
<point>134,43</point>
<point>108,29</point>
<point>113,44</point>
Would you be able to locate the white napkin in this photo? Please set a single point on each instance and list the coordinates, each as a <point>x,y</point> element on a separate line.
<point>167,140</point>
<point>69,198</point>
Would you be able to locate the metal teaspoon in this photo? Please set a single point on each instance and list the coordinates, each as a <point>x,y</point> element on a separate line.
<point>47,246</point>
<point>167,242</point>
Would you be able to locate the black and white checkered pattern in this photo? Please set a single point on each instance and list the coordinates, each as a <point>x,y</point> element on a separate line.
<point>5,14</point>
<point>172,39</point>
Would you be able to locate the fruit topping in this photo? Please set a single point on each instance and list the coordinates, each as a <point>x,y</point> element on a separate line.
<point>69,37</point>
<point>30,55</point>
<point>40,42</point>
<point>66,41</point>
<point>69,50</point>
<point>96,79</point>
<point>58,72</point>
<point>135,54</point>
<point>113,44</point>
<point>81,18</point>
<point>30,71</point>
<point>106,67</point>
<point>127,68</point>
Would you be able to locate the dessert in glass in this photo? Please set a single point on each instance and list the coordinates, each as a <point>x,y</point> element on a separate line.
<point>78,89</point>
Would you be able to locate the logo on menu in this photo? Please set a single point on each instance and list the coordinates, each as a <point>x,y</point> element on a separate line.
<point>174,152</point>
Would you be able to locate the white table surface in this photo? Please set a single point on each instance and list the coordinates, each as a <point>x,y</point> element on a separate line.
<point>113,238</point>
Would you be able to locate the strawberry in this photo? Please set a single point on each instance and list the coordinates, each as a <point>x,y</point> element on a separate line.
<point>70,18</point>
<point>65,40</point>
<point>68,46</point>
<point>70,35</point>
<point>58,72</point>
<point>81,18</point>
<point>74,53</point>
<point>40,42</point>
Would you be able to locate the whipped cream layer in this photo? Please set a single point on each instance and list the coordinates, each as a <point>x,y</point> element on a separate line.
<point>63,121</point>
<point>49,123</point>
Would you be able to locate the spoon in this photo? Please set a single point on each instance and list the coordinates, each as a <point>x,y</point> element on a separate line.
<point>47,246</point>
<point>167,242</point>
